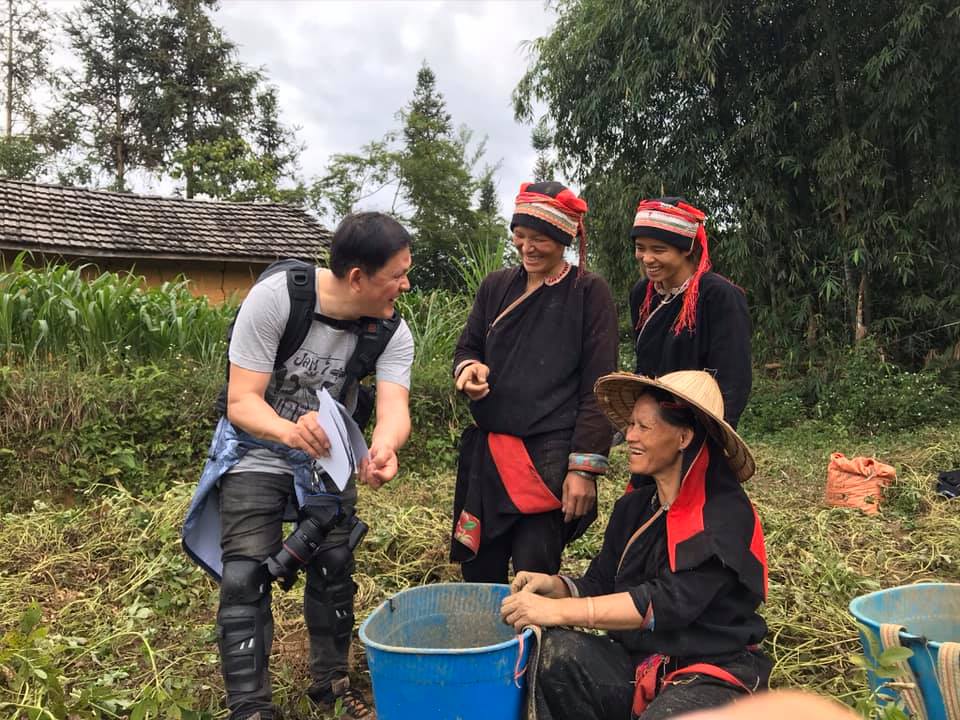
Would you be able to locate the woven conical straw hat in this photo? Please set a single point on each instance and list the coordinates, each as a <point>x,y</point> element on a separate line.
<point>617,393</point>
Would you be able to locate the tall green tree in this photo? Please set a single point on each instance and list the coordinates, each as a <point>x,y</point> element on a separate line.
<point>491,228</point>
<point>423,175</point>
<point>487,249</point>
<point>435,172</point>
<point>231,169</point>
<point>24,59</point>
<point>110,97</point>
<point>25,48</point>
<point>261,165</point>
<point>204,94</point>
<point>542,140</point>
<point>488,205</point>
<point>275,144</point>
<point>21,157</point>
<point>351,178</point>
<point>818,136</point>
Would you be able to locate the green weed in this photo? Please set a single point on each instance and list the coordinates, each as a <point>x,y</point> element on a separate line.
<point>100,453</point>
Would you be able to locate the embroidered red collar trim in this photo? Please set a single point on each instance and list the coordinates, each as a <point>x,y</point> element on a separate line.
<point>554,279</point>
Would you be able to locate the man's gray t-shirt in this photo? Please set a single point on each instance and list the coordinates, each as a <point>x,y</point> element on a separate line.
<point>318,363</point>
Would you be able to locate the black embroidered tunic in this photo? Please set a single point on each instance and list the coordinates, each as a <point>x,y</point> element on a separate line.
<point>544,355</point>
<point>698,570</point>
<point>720,341</point>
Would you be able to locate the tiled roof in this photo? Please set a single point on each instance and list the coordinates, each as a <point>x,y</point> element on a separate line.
<point>76,221</point>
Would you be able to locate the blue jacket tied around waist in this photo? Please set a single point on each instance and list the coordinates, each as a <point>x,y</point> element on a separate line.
<point>201,528</point>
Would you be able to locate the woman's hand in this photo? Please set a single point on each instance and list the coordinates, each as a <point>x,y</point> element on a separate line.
<point>579,496</point>
<point>539,583</point>
<point>528,608</point>
<point>472,381</point>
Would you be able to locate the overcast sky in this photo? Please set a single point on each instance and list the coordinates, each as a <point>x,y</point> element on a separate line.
<point>343,69</point>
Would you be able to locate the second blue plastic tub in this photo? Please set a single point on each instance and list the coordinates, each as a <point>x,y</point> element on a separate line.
<point>930,614</point>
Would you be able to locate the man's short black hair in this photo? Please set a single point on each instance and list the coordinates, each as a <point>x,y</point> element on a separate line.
<point>366,240</point>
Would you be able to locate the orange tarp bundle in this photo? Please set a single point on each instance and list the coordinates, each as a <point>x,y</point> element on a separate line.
<point>857,482</point>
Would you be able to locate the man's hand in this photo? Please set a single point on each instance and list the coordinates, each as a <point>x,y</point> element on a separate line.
<point>472,381</point>
<point>528,608</point>
<point>579,496</point>
<point>379,467</point>
<point>307,435</point>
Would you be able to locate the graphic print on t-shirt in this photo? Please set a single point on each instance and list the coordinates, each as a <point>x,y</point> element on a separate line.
<point>318,363</point>
<point>295,386</point>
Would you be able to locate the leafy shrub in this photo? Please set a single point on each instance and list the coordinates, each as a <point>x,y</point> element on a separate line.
<point>775,404</point>
<point>867,393</point>
<point>70,430</point>
<point>856,389</point>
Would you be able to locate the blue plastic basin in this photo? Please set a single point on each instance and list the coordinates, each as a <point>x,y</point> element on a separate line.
<point>441,652</point>
<point>930,614</point>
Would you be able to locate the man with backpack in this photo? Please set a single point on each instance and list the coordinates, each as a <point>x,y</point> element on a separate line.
<point>299,331</point>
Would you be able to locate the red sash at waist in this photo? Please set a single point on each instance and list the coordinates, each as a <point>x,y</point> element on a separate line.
<point>647,686</point>
<point>526,489</point>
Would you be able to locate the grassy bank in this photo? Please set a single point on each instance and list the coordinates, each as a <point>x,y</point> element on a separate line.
<point>103,615</point>
<point>123,620</point>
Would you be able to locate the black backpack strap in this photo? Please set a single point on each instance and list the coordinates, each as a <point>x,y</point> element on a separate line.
<point>372,338</point>
<point>302,289</point>
<point>354,326</point>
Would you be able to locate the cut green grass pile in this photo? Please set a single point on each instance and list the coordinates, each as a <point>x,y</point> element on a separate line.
<point>103,615</point>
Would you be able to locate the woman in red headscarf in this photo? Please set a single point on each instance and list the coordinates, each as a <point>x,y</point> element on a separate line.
<point>684,316</point>
<point>538,337</point>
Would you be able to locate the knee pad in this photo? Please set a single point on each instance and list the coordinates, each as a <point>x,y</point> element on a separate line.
<point>330,590</point>
<point>244,582</point>
<point>334,562</point>
<point>242,623</point>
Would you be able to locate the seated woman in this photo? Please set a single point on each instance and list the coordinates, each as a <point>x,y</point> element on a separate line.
<point>678,580</point>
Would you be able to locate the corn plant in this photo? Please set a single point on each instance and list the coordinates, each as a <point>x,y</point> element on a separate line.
<point>55,311</point>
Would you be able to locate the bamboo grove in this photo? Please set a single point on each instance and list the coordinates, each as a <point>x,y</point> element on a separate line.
<point>822,137</point>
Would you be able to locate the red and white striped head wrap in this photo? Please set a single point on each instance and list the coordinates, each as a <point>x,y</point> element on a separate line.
<point>553,210</point>
<point>674,221</point>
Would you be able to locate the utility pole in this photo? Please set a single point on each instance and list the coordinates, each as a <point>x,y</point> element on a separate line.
<point>10,68</point>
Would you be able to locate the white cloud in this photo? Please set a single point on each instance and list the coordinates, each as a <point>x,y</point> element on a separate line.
<point>345,68</point>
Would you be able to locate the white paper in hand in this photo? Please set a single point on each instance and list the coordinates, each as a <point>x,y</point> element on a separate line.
<point>342,432</point>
